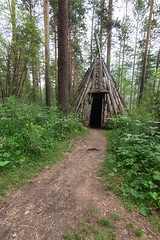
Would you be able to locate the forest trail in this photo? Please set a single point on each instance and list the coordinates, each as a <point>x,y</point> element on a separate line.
<point>66,196</point>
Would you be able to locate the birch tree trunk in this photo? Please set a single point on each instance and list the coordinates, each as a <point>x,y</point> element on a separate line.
<point>102,16</point>
<point>92,33</point>
<point>14,47</point>
<point>123,49</point>
<point>55,52</point>
<point>135,50</point>
<point>157,65</point>
<point>47,55</point>
<point>146,52</point>
<point>33,56</point>
<point>109,35</point>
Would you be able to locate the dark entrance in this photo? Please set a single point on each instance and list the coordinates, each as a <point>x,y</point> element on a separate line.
<point>96,112</point>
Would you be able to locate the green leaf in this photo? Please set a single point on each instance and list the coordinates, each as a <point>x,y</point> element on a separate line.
<point>156,175</point>
<point>6,155</point>
<point>154,195</point>
<point>158,158</point>
<point>143,212</point>
<point>152,185</point>
<point>115,170</point>
<point>2,164</point>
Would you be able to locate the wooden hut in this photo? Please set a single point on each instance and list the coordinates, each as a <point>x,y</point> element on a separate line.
<point>97,97</point>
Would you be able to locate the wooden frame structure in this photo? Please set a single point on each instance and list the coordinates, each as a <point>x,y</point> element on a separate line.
<point>97,97</point>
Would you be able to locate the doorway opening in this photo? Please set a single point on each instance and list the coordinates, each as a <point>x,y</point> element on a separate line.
<point>96,112</point>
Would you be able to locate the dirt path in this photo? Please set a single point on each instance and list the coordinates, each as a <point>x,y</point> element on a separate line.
<point>61,198</point>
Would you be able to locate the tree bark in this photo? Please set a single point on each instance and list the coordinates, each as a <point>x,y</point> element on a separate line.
<point>69,48</point>
<point>63,81</point>
<point>102,17</point>
<point>123,49</point>
<point>146,52</point>
<point>33,56</point>
<point>157,65</point>
<point>47,54</point>
<point>109,35</point>
<point>92,34</point>
<point>15,52</point>
<point>134,64</point>
<point>55,53</point>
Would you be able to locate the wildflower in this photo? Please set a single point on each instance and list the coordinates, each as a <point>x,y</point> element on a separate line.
<point>27,124</point>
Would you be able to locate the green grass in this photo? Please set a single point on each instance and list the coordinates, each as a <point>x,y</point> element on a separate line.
<point>138,232</point>
<point>98,228</point>
<point>105,222</point>
<point>129,225</point>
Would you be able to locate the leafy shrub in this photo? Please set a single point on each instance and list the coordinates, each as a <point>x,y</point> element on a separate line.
<point>27,130</point>
<point>135,153</point>
<point>113,123</point>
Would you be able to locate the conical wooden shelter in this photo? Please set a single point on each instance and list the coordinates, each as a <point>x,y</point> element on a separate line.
<point>97,97</point>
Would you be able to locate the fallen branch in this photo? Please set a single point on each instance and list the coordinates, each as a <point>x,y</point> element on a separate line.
<point>151,232</point>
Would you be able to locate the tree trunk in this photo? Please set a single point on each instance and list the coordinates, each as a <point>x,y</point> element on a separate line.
<point>102,16</point>
<point>157,65</point>
<point>63,81</point>
<point>47,55</point>
<point>33,57</point>
<point>55,49</point>
<point>69,48</point>
<point>123,49</point>
<point>92,34</point>
<point>15,52</point>
<point>109,35</point>
<point>134,63</point>
<point>146,51</point>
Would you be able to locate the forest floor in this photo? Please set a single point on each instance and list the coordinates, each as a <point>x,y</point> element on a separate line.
<point>70,198</point>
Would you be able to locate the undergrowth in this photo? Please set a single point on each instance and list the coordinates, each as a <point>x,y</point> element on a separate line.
<point>133,163</point>
<point>31,137</point>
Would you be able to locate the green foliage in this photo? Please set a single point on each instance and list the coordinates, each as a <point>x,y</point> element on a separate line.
<point>135,154</point>
<point>129,225</point>
<point>105,222</point>
<point>30,132</point>
<point>138,232</point>
<point>113,123</point>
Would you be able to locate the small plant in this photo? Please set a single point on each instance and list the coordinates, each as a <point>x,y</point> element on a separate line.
<point>68,236</point>
<point>88,219</point>
<point>111,235</point>
<point>116,217</point>
<point>105,222</point>
<point>93,209</point>
<point>129,225</point>
<point>107,194</point>
<point>138,232</point>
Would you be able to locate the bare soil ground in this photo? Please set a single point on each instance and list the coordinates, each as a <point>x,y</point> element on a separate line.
<point>62,198</point>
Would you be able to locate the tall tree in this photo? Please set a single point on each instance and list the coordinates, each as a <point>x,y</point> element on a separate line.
<point>157,65</point>
<point>102,17</point>
<point>109,35</point>
<point>124,46</point>
<point>63,80</point>
<point>146,51</point>
<point>69,47</point>
<point>92,33</point>
<point>47,54</point>
<point>14,46</point>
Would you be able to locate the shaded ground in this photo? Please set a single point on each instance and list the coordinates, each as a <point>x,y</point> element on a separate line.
<point>67,195</point>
